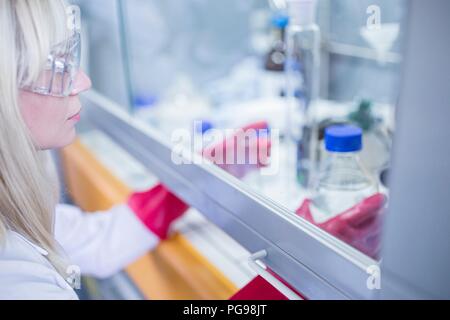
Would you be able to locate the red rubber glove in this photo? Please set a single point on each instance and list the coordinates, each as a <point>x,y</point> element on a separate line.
<point>157,208</point>
<point>359,226</point>
<point>256,151</point>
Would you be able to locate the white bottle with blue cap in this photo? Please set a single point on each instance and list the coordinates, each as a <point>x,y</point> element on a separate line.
<point>343,181</point>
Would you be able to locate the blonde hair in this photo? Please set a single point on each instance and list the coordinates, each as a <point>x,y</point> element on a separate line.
<point>28,30</point>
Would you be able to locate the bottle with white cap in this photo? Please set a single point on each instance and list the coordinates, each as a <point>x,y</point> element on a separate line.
<point>302,74</point>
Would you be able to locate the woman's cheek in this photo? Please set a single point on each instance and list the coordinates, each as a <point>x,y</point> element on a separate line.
<point>57,132</point>
<point>46,120</point>
<point>44,132</point>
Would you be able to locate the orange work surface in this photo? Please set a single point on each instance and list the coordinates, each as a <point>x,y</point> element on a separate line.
<point>175,269</point>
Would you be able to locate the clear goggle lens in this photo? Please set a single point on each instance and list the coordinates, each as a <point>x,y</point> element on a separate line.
<point>58,77</point>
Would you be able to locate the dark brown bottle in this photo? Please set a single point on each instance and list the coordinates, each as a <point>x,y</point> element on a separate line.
<point>276,58</point>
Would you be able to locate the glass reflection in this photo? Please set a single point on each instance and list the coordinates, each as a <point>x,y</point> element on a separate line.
<point>206,67</point>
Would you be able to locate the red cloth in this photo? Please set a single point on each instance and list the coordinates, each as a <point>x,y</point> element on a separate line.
<point>258,289</point>
<point>255,153</point>
<point>359,226</point>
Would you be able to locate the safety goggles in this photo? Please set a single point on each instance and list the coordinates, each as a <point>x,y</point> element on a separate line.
<point>58,76</point>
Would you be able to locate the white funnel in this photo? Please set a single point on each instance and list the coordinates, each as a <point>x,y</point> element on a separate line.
<point>381,37</point>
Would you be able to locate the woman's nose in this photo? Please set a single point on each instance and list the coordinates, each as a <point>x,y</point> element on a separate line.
<point>82,83</point>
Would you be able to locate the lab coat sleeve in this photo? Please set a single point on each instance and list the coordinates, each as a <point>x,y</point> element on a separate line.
<point>102,243</point>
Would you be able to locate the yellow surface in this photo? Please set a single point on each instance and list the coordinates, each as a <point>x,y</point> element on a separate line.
<point>175,269</point>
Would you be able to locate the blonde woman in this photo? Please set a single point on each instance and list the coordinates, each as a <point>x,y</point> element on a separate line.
<point>42,248</point>
<point>42,243</point>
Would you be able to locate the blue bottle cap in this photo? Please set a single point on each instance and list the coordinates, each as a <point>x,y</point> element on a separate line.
<point>203,126</point>
<point>280,21</point>
<point>264,132</point>
<point>343,138</point>
<point>145,101</point>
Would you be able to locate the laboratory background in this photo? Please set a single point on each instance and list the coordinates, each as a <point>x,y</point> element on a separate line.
<point>351,201</point>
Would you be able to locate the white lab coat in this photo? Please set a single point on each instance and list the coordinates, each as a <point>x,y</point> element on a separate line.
<point>98,244</point>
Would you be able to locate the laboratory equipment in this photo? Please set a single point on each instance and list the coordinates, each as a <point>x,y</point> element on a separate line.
<point>376,138</point>
<point>343,181</point>
<point>411,232</point>
<point>276,57</point>
<point>381,37</point>
<point>302,73</point>
<point>346,201</point>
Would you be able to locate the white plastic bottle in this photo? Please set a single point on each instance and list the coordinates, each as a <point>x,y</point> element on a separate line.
<point>343,182</point>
